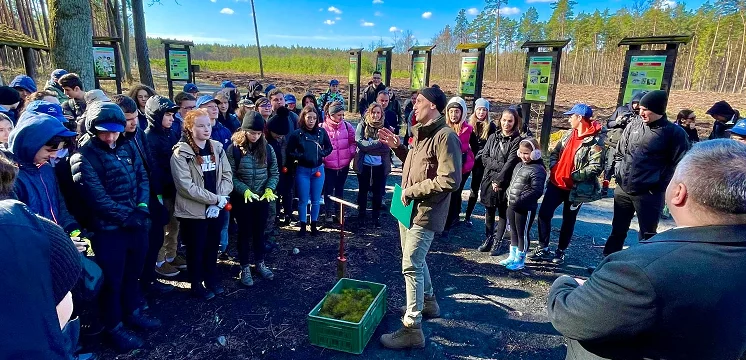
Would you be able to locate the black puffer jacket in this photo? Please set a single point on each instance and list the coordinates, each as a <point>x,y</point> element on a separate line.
<point>647,155</point>
<point>309,148</point>
<point>499,157</point>
<point>527,185</point>
<point>161,142</point>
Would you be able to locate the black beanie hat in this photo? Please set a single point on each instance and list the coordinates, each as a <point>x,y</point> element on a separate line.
<point>655,101</point>
<point>279,122</point>
<point>435,96</point>
<point>253,121</point>
<point>65,263</point>
<point>9,95</point>
<point>721,108</point>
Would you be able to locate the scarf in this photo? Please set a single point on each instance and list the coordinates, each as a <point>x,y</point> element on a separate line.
<point>372,127</point>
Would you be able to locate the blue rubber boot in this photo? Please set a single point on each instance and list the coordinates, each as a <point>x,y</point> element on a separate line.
<point>511,258</point>
<point>519,263</point>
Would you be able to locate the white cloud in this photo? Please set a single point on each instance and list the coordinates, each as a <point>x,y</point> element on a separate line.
<point>378,1</point>
<point>509,11</point>
<point>227,11</point>
<point>377,13</point>
<point>472,11</point>
<point>395,29</point>
<point>329,22</point>
<point>334,10</point>
<point>337,18</point>
<point>213,1</point>
<point>366,23</point>
<point>427,15</point>
<point>538,1</point>
<point>668,4</point>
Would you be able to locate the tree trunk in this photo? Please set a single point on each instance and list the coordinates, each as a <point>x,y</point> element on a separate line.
<point>740,53</point>
<point>497,39</point>
<point>70,40</point>
<point>141,44</point>
<point>709,58</point>
<point>126,42</point>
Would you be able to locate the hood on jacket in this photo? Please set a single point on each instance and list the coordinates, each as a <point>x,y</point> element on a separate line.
<point>156,107</point>
<point>303,101</point>
<point>104,115</point>
<point>462,103</point>
<point>592,129</point>
<point>32,133</point>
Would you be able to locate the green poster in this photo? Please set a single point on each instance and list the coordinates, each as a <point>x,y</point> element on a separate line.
<point>178,65</point>
<point>104,62</point>
<point>537,82</point>
<point>417,79</point>
<point>468,83</point>
<point>381,67</point>
<point>352,77</point>
<point>645,74</point>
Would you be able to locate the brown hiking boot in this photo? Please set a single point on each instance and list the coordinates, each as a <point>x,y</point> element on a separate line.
<point>408,337</point>
<point>430,310</point>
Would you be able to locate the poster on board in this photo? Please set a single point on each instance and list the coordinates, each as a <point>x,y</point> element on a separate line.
<point>104,62</point>
<point>468,80</point>
<point>538,78</point>
<point>381,66</point>
<point>645,74</point>
<point>352,77</point>
<point>178,64</point>
<point>417,80</point>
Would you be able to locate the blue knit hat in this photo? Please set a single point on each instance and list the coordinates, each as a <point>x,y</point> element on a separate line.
<point>482,102</point>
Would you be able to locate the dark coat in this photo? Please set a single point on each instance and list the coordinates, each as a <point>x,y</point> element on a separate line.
<point>230,121</point>
<point>161,142</point>
<point>221,134</point>
<point>691,133</point>
<point>647,155</point>
<point>678,295</point>
<point>618,121</point>
<point>499,156</point>
<point>309,148</point>
<point>369,96</point>
<point>112,181</point>
<point>527,185</point>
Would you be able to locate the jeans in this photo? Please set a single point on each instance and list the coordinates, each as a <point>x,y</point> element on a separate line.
<point>225,221</point>
<point>454,209</point>
<point>121,255</point>
<point>648,208</point>
<point>171,233</point>
<point>554,197</point>
<point>371,178</point>
<point>202,239</point>
<point>477,173</point>
<point>252,219</point>
<point>521,221</point>
<point>415,243</point>
<point>309,187</point>
<point>334,184</point>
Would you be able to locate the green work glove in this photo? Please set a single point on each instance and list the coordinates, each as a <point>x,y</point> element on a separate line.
<point>269,195</point>
<point>249,196</point>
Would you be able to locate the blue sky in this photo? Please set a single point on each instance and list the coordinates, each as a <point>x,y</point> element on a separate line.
<point>327,23</point>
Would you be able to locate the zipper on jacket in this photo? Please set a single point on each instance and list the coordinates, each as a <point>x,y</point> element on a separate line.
<point>46,190</point>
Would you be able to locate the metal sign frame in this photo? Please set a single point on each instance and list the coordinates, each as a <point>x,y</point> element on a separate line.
<point>469,49</point>
<point>420,51</point>
<point>169,45</point>
<point>111,43</point>
<point>353,88</point>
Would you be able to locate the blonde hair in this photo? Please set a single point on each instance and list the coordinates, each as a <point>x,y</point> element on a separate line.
<point>189,120</point>
<point>241,140</point>
<point>481,127</point>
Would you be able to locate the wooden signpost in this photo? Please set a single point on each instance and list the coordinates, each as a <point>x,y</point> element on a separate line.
<point>421,59</point>
<point>383,64</point>
<point>540,83</point>
<point>107,63</point>
<point>353,79</point>
<point>178,63</point>
<point>647,70</point>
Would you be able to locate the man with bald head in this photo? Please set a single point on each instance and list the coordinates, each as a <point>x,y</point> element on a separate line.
<point>679,294</point>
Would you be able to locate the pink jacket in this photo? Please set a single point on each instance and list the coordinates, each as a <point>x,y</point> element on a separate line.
<point>464,136</point>
<point>343,142</point>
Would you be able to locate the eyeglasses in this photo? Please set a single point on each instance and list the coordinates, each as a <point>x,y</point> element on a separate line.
<point>266,105</point>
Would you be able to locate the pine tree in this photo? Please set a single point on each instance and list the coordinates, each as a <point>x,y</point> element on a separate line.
<point>460,29</point>
<point>529,27</point>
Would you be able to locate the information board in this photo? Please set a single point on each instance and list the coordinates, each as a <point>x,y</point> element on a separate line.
<point>417,79</point>
<point>178,64</point>
<point>381,66</point>
<point>645,74</point>
<point>539,78</point>
<point>468,82</point>
<point>352,77</point>
<point>104,62</point>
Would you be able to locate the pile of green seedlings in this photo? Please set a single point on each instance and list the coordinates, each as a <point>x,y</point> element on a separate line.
<point>350,305</point>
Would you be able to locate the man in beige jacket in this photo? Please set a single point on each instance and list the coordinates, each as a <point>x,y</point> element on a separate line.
<point>432,170</point>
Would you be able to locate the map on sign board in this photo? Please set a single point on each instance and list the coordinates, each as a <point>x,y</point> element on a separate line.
<point>178,65</point>
<point>645,74</point>
<point>468,80</point>
<point>538,81</point>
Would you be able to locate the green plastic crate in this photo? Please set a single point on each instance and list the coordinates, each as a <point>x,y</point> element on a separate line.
<point>344,335</point>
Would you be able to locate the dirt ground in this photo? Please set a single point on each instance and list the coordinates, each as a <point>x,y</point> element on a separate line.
<point>487,311</point>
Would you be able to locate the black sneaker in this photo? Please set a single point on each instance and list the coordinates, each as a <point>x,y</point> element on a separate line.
<point>487,244</point>
<point>200,292</point>
<point>376,224</point>
<point>217,289</point>
<point>124,340</point>
<point>559,257</point>
<point>541,254</point>
<point>141,321</point>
